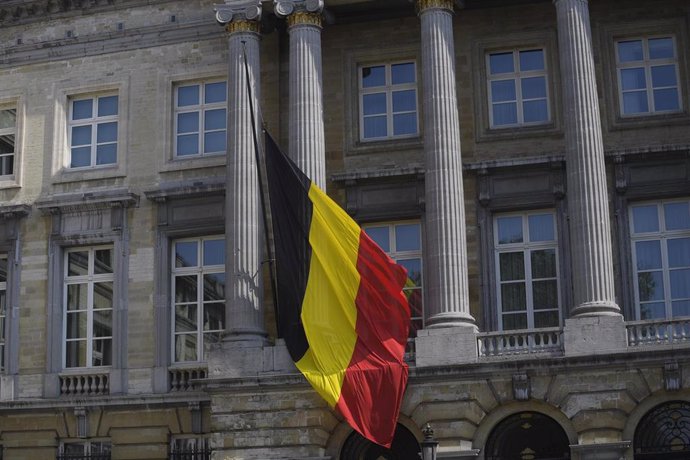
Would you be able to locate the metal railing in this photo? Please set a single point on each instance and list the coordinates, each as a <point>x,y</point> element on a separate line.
<point>191,454</point>
<point>658,332</point>
<point>521,342</point>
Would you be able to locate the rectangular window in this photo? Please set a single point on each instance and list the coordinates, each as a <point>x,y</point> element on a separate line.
<point>3,308</point>
<point>517,88</point>
<point>93,129</point>
<point>8,135</point>
<point>648,75</point>
<point>88,306</point>
<point>388,101</point>
<point>660,234</point>
<point>527,279</point>
<point>198,286</point>
<point>190,449</point>
<point>200,119</point>
<point>402,241</point>
<point>87,450</point>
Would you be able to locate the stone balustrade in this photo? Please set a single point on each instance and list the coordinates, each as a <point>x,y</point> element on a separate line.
<point>184,378</point>
<point>658,332</point>
<point>519,342</point>
<point>91,384</point>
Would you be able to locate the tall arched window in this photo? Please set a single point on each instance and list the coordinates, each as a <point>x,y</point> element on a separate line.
<point>527,436</point>
<point>404,447</point>
<point>664,433</point>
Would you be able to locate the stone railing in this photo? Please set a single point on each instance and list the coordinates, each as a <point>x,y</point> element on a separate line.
<point>521,342</point>
<point>92,384</point>
<point>183,378</point>
<point>658,332</point>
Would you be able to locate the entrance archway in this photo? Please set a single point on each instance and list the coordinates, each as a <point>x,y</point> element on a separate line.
<point>527,436</point>
<point>404,447</point>
<point>664,433</point>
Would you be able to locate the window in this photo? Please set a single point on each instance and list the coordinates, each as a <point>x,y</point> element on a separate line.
<point>388,101</point>
<point>87,450</point>
<point>527,281</point>
<point>88,307</point>
<point>402,241</point>
<point>93,131</point>
<point>517,88</point>
<point>200,119</point>
<point>648,75</point>
<point>8,132</point>
<point>190,449</point>
<point>198,284</point>
<point>660,234</point>
<point>3,308</point>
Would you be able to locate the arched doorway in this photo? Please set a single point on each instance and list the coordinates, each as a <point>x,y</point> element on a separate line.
<point>664,433</point>
<point>404,447</point>
<point>527,436</point>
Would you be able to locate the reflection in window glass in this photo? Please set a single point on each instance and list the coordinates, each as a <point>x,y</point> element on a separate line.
<point>8,132</point>
<point>200,119</point>
<point>93,131</point>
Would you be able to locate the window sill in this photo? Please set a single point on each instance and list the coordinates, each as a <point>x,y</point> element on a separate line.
<point>9,183</point>
<point>622,123</point>
<point>386,145</point>
<point>79,175</point>
<point>183,164</point>
<point>518,132</point>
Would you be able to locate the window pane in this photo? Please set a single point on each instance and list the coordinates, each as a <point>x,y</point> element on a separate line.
<point>375,127</point>
<point>76,353</point>
<point>106,132</point>
<point>414,269</point>
<point>77,296</point>
<point>82,109</point>
<point>381,236</point>
<point>81,156</point>
<point>7,143</point>
<point>664,75</point>
<point>666,99</point>
<point>214,252</point>
<point>648,254</point>
<point>188,122</point>
<point>681,308</point>
<point>214,119</point>
<point>81,135</point>
<point>651,286</point>
<point>188,144</point>
<point>187,95</point>
<point>661,48</point>
<point>503,90</point>
<point>541,227</point>
<point>633,79</point>
<point>501,63</point>
<point>6,164</point>
<point>103,295</point>
<point>513,297</point>
<point>505,114</point>
<point>414,299</point>
<point>635,102</point>
<point>630,51</point>
<point>533,87</point>
<point>186,254</point>
<point>404,124</point>
<point>77,263</point>
<point>185,289</point>
<point>512,322</point>
<point>103,262</point>
<point>215,142</point>
<point>107,106</point>
<point>531,60</point>
<point>509,229</point>
<point>677,216</point>
<point>8,118</point>
<point>679,252</point>
<point>374,104</point>
<point>103,323</point>
<point>535,111</point>
<point>680,284</point>
<point>543,263</point>
<point>404,101</point>
<point>655,310</point>
<point>511,266</point>
<point>3,269</point>
<point>545,294</point>
<point>214,287</point>
<point>106,154</point>
<point>645,219</point>
<point>214,315</point>
<point>403,73</point>
<point>373,76</point>
<point>102,351</point>
<point>76,325</point>
<point>408,237</point>
<point>185,318</point>
<point>215,92</point>
<point>185,347</point>
<point>546,319</point>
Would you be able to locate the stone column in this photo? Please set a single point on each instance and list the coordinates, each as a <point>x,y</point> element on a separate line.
<point>306,140</point>
<point>590,233</point>
<point>243,222</point>
<point>447,299</point>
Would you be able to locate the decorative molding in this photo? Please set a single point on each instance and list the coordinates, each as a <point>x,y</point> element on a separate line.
<point>521,387</point>
<point>304,18</point>
<point>287,7</point>
<point>14,211</point>
<point>242,26</point>
<point>88,201</point>
<point>672,376</point>
<point>423,5</point>
<point>174,190</point>
<point>238,10</point>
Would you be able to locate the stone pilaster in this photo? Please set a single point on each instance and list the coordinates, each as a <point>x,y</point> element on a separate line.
<point>447,299</point>
<point>306,140</point>
<point>590,233</point>
<point>243,221</point>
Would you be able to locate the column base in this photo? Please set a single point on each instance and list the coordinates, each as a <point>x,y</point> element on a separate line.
<point>596,309</point>
<point>450,319</point>
<point>446,346</point>
<point>243,359</point>
<point>592,335</point>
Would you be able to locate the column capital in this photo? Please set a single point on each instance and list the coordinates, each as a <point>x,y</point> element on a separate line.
<point>240,11</point>
<point>423,5</point>
<point>287,8</point>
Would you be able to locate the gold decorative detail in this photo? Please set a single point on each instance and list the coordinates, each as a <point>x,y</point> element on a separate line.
<point>426,4</point>
<point>242,25</point>
<point>304,18</point>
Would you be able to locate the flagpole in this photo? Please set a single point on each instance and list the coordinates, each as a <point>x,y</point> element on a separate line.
<point>257,156</point>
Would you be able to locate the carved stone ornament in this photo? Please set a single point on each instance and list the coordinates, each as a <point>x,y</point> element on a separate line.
<point>672,376</point>
<point>231,10</point>
<point>438,4</point>
<point>287,7</point>
<point>521,387</point>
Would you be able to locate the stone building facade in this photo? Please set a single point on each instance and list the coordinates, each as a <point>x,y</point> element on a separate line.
<point>527,160</point>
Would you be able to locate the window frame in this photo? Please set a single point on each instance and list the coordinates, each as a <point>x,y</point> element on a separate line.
<point>94,121</point>
<point>3,312</point>
<point>14,131</point>
<point>516,76</point>
<point>201,109</point>
<point>388,89</point>
<point>647,63</point>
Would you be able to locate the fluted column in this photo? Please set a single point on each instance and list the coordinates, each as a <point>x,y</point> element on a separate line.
<point>306,140</point>
<point>590,233</point>
<point>243,227</point>
<point>447,299</point>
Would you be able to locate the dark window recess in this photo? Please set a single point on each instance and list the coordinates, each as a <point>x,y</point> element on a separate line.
<point>528,435</point>
<point>190,449</point>
<point>664,433</point>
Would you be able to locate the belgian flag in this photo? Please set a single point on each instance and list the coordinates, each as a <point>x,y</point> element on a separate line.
<point>341,309</point>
